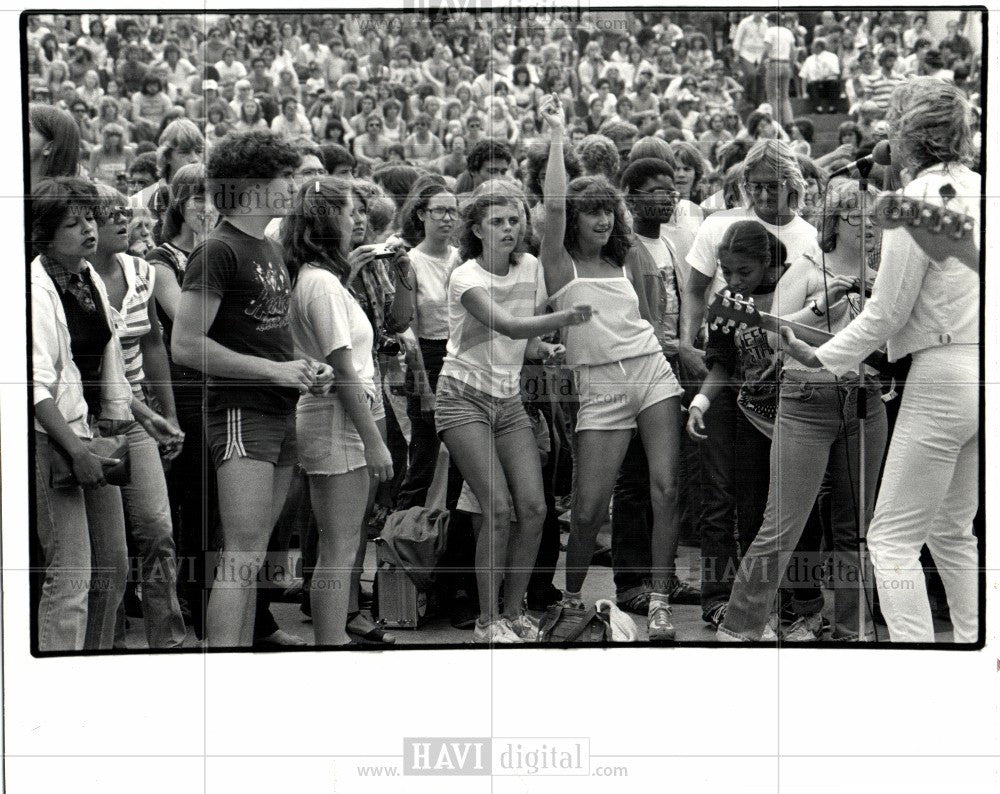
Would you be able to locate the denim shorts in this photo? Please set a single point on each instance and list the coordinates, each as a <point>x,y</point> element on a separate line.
<point>328,441</point>
<point>458,404</point>
<point>613,395</point>
<point>246,433</point>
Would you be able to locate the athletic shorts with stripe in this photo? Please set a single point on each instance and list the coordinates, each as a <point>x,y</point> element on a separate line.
<point>246,433</point>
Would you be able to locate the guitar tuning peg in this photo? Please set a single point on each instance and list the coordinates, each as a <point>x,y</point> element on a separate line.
<point>728,326</point>
<point>714,325</point>
<point>739,297</point>
<point>742,327</point>
<point>727,302</point>
<point>750,300</point>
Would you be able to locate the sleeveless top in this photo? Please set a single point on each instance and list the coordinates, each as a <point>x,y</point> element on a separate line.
<point>616,330</point>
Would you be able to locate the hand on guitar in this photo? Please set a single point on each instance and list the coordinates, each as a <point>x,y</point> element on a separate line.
<point>799,350</point>
<point>938,230</point>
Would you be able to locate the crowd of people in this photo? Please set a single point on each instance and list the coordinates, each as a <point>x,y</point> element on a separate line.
<point>240,225</point>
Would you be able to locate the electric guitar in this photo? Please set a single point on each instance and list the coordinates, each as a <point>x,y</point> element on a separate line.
<point>939,231</point>
<point>731,312</point>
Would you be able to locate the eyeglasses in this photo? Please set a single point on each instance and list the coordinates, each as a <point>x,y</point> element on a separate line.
<point>660,193</point>
<point>442,213</point>
<point>852,218</point>
<point>112,214</point>
<point>756,188</point>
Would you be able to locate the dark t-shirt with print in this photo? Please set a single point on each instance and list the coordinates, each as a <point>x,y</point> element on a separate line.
<point>748,357</point>
<point>250,277</point>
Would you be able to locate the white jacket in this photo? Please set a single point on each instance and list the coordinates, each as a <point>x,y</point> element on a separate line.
<point>55,376</point>
<point>916,303</point>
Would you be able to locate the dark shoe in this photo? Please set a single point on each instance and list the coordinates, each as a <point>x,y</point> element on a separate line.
<point>306,608</point>
<point>359,626</point>
<point>293,594</point>
<point>681,592</point>
<point>131,602</point>
<point>539,602</point>
<point>716,614</point>
<point>637,604</point>
<point>463,611</point>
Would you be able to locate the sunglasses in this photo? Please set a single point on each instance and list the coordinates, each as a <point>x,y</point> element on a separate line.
<point>112,214</point>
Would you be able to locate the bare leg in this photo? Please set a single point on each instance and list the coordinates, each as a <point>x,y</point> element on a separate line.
<point>246,498</point>
<point>518,454</point>
<point>472,448</point>
<point>658,428</point>
<point>599,455</point>
<point>339,504</point>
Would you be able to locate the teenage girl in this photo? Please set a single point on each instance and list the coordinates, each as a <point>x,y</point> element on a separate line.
<point>340,446</point>
<point>623,380</point>
<point>493,300</point>
<point>752,261</point>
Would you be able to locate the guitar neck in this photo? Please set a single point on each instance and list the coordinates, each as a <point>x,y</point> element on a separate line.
<point>813,336</point>
<point>808,334</point>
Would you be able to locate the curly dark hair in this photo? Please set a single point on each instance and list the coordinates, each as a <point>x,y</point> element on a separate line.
<point>486,150</point>
<point>244,156</point>
<point>312,235</point>
<point>588,194</point>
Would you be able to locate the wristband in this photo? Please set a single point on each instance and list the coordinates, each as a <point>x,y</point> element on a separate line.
<point>814,307</point>
<point>701,402</point>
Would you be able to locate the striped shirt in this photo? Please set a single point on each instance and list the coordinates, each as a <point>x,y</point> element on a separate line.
<point>878,88</point>
<point>132,322</point>
<point>477,355</point>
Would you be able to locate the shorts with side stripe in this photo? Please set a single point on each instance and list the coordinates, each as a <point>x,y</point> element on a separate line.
<point>246,433</point>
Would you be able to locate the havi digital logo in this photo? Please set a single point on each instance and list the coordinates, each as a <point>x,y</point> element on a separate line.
<point>447,756</point>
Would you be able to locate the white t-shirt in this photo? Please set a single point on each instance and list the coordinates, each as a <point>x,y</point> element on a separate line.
<point>798,236</point>
<point>432,291</point>
<point>782,42</point>
<point>324,316</point>
<point>477,355</point>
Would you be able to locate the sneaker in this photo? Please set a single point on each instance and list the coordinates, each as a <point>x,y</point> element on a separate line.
<point>463,611</point>
<point>659,625</point>
<point>681,592</point>
<point>524,627</point>
<point>637,604</point>
<point>716,614</point>
<point>496,632</point>
<point>806,629</point>
<point>725,636</point>
<point>770,630</point>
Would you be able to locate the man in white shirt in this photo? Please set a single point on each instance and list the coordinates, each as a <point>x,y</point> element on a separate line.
<point>748,44</point>
<point>821,72</point>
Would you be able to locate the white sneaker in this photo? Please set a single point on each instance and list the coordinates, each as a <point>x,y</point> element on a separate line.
<point>524,627</point>
<point>770,635</point>
<point>496,632</point>
<point>805,629</point>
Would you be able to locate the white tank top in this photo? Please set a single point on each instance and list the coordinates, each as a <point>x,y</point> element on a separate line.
<point>615,332</point>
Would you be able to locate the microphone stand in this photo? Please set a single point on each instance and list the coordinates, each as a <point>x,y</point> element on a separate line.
<point>864,169</point>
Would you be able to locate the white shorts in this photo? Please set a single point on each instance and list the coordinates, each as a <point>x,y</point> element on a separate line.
<point>613,395</point>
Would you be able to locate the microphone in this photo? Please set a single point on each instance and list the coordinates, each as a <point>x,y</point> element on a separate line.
<point>880,156</point>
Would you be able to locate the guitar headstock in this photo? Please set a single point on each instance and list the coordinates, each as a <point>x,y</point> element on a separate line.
<point>729,311</point>
<point>925,216</point>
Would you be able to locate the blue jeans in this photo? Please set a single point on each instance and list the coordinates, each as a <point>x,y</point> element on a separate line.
<point>816,434</point>
<point>82,538</point>
<point>151,529</point>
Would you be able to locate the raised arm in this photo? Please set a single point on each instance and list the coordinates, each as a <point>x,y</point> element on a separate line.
<point>555,261</point>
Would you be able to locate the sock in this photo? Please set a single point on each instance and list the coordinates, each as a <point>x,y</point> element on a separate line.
<point>657,600</point>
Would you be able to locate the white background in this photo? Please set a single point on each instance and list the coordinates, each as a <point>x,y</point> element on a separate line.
<point>681,720</point>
